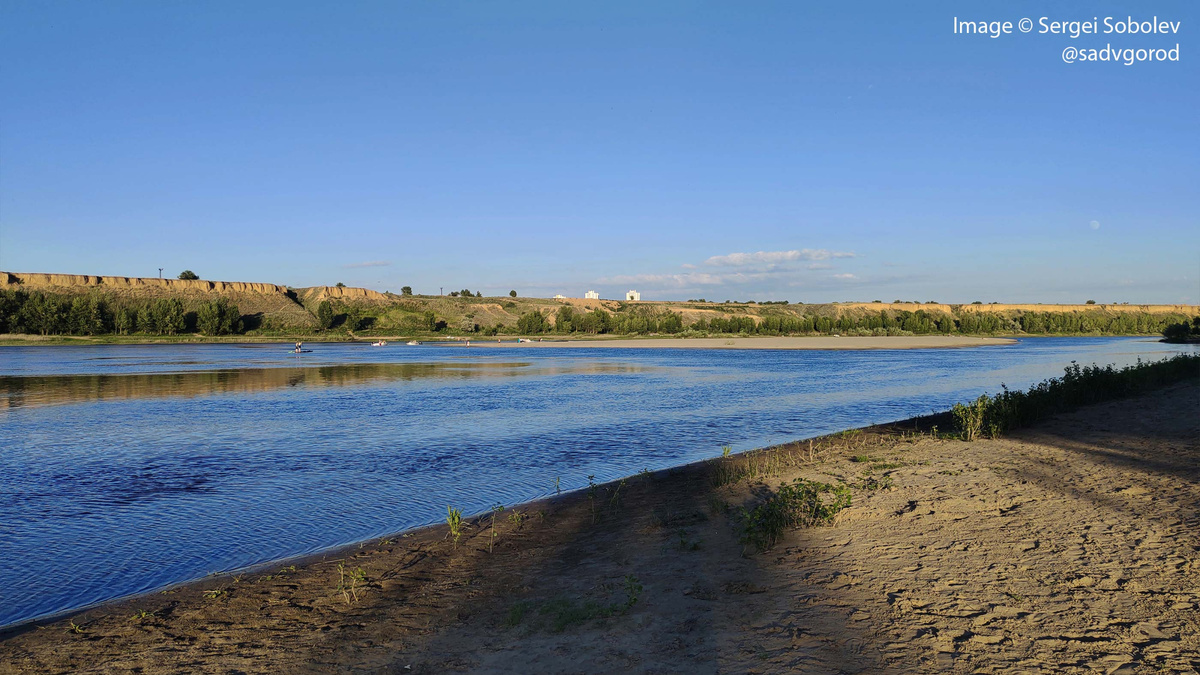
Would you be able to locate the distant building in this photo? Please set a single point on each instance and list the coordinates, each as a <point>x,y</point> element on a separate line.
<point>633,295</point>
<point>592,295</point>
<point>559,296</point>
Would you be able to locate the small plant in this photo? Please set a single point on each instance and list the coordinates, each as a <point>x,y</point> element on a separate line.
<point>496,509</point>
<point>141,614</point>
<point>645,473</point>
<point>75,628</point>
<point>969,417</point>
<point>726,451</point>
<point>633,590</point>
<point>517,519</point>
<point>592,489</point>
<point>454,520</point>
<point>685,544</point>
<point>516,614</point>
<point>557,486</point>
<point>873,483</point>
<point>349,581</point>
<point>616,496</point>
<point>215,593</point>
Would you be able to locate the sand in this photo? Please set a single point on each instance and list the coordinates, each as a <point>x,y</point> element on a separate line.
<point>1069,546</point>
<point>897,342</point>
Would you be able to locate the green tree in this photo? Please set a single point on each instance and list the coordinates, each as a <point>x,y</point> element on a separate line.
<point>45,314</point>
<point>147,322</point>
<point>406,290</point>
<point>533,322</point>
<point>430,321</point>
<point>11,303</point>
<point>188,275</point>
<point>512,294</point>
<point>169,316</point>
<point>353,318</point>
<point>564,318</point>
<point>218,317</point>
<point>340,285</point>
<point>325,315</point>
<point>125,320</point>
<point>478,294</point>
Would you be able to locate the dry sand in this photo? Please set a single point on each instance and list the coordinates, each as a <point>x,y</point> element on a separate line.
<point>897,342</point>
<point>1068,547</point>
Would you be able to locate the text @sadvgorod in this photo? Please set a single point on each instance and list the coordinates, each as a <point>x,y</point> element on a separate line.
<point>1129,27</point>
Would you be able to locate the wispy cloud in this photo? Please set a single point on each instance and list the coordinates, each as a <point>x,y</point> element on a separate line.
<point>369,263</point>
<point>775,257</point>
<point>764,269</point>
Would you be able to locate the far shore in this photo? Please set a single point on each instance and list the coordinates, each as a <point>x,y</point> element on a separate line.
<point>510,341</point>
<point>790,342</point>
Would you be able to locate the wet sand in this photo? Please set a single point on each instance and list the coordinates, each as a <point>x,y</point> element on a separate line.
<point>1069,546</point>
<point>830,342</point>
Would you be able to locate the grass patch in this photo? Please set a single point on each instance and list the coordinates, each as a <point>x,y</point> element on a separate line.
<point>562,613</point>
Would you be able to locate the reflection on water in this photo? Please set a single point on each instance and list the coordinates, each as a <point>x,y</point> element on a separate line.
<point>126,468</point>
<point>33,390</point>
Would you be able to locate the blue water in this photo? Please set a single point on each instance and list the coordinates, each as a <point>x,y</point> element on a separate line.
<point>128,468</point>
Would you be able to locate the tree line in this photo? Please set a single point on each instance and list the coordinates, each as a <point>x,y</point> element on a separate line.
<point>641,321</point>
<point>49,314</point>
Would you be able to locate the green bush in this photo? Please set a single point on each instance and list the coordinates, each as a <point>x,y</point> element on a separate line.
<point>1079,385</point>
<point>804,503</point>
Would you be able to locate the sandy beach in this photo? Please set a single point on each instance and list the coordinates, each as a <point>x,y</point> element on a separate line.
<point>1067,546</point>
<point>899,342</point>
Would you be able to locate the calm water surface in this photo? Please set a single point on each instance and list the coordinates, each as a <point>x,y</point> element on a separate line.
<point>127,468</point>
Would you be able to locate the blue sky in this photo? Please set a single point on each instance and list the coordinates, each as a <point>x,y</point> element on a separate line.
<point>801,151</point>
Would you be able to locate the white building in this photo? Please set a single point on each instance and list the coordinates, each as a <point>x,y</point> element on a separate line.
<point>559,296</point>
<point>592,295</point>
<point>633,295</point>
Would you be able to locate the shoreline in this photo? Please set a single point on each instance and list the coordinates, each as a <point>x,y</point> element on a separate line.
<point>767,343</point>
<point>566,499</point>
<point>618,342</point>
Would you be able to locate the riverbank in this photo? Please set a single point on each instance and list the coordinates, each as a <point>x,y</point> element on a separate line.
<point>952,556</point>
<point>730,342</point>
<point>783,342</point>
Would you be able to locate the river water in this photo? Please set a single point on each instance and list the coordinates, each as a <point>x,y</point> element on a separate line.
<point>127,468</point>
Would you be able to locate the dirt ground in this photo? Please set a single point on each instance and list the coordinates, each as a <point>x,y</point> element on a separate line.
<point>1067,547</point>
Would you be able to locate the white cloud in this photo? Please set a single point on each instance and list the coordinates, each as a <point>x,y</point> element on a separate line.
<point>369,263</point>
<point>775,257</point>
<point>844,276</point>
<point>1095,224</point>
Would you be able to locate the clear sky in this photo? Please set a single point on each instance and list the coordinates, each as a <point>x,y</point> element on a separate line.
<point>727,150</point>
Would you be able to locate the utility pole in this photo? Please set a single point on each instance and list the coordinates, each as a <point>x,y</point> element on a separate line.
<point>160,272</point>
<point>441,291</point>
